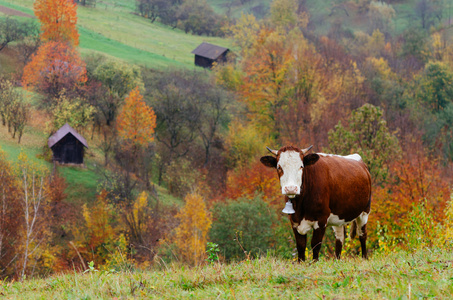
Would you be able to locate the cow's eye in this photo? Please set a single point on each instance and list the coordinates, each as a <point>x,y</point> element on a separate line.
<point>301,167</point>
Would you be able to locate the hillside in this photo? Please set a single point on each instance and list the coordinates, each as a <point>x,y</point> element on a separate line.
<point>174,171</point>
<point>423,274</point>
<point>112,28</point>
<point>327,15</point>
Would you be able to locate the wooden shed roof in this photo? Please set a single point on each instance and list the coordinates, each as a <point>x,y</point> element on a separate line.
<point>209,50</point>
<point>62,132</point>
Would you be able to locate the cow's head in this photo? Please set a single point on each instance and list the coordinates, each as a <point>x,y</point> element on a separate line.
<point>290,162</point>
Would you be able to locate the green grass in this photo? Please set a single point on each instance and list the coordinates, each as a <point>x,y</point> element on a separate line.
<point>93,42</point>
<point>423,274</point>
<point>82,183</point>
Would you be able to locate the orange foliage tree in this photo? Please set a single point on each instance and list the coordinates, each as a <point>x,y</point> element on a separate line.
<point>247,181</point>
<point>55,67</point>
<point>416,183</point>
<point>191,234</point>
<point>58,20</point>
<point>136,121</point>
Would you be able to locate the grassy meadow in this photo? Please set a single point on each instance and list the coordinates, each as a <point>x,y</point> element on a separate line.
<point>419,275</point>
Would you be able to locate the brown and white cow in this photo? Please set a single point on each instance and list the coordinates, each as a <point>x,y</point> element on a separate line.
<point>325,190</point>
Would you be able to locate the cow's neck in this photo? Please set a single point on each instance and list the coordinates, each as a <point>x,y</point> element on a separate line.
<point>299,207</point>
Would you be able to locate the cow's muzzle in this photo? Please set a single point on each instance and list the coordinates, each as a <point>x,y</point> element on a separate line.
<point>291,191</point>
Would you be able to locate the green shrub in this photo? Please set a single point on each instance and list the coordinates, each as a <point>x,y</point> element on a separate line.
<point>242,228</point>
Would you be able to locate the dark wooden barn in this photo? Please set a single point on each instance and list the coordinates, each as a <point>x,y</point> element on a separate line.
<point>206,54</point>
<point>68,147</point>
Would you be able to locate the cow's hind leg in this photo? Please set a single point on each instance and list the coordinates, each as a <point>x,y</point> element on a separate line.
<point>316,241</point>
<point>339,239</point>
<point>301,243</point>
<point>362,232</point>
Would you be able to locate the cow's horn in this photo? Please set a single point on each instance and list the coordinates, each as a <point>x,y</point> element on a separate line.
<point>272,151</point>
<point>306,149</point>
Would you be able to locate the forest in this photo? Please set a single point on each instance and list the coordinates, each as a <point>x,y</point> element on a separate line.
<point>173,172</point>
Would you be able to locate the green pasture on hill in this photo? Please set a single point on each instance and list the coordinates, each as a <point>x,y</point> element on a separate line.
<point>112,28</point>
<point>423,274</point>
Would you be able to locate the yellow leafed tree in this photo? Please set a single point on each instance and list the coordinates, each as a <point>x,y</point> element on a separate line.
<point>191,234</point>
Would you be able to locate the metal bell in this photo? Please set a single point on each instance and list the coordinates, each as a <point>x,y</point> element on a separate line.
<point>288,208</point>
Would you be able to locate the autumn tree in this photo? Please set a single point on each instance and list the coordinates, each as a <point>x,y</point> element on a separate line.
<point>98,236</point>
<point>284,13</point>
<point>247,181</point>
<point>291,91</point>
<point>34,203</point>
<point>380,15</point>
<point>265,81</point>
<point>415,180</point>
<point>245,32</point>
<point>368,135</point>
<point>136,121</point>
<point>191,234</point>
<point>58,20</point>
<point>55,67</point>
<point>13,109</point>
<point>76,112</point>
<point>117,80</point>
<point>135,126</point>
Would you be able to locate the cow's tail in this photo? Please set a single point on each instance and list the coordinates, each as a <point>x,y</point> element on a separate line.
<point>353,231</point>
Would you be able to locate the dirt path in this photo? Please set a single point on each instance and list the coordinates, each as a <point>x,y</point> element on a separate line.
<point>13,12</point>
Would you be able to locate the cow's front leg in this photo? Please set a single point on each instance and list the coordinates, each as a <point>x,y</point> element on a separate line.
<point>301,243</point>
<point>316,241</point>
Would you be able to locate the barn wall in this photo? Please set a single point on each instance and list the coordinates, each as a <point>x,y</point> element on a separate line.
<point>203,61</point>
<point>68,150</point>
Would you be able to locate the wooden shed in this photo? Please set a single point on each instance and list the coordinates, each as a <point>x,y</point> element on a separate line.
<point>68,146</point>
<point>206,54</point>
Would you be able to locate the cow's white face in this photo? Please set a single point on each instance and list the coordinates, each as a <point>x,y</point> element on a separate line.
<point>289,162</point>
<point>290,168</point>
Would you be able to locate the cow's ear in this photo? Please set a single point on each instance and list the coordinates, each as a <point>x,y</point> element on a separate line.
<point>310,159</point>
<point>269,161</point>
